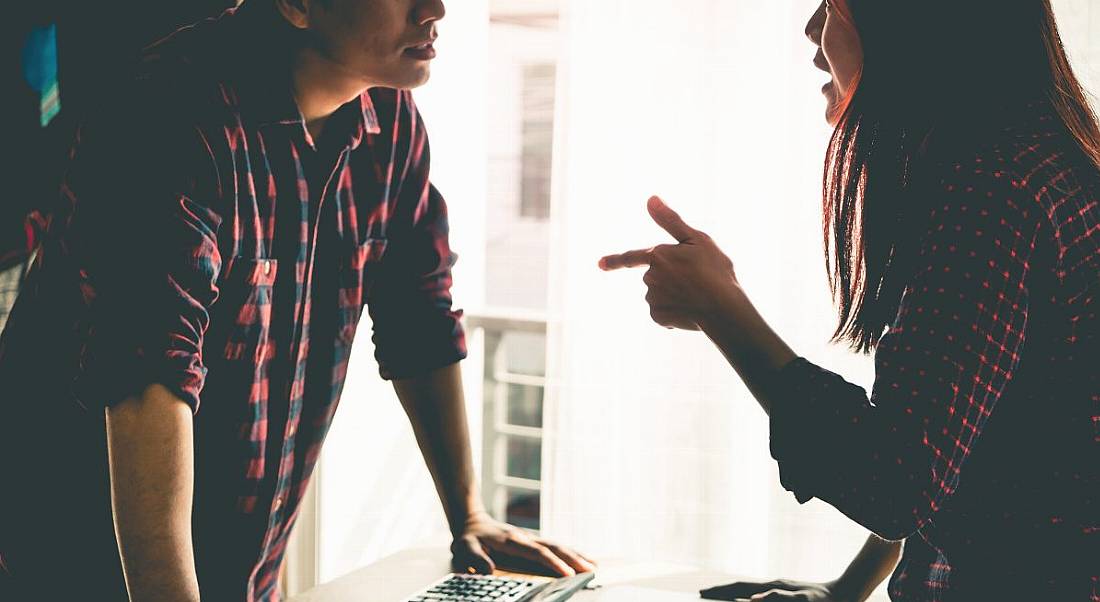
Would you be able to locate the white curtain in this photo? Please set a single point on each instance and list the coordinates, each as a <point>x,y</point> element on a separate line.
<point>655,450</point>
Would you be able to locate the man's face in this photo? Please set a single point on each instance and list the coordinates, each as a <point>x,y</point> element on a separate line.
<point>381,42</point>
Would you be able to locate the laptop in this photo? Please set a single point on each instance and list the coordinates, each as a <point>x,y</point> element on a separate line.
<point>499,588</point>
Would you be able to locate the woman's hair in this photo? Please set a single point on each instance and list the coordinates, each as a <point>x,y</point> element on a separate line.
<point>930,68</point>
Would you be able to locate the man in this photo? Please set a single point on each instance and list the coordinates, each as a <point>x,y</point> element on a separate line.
<point>174,362</point>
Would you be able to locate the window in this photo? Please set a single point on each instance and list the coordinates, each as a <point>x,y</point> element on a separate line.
<point>522,76</point>
<point>538,136</point>
<point>515,359</point>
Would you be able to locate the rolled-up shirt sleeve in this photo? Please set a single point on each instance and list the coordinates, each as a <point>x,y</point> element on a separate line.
<point>416,329</point>
<point>145,253</point>
<point>891,461</point>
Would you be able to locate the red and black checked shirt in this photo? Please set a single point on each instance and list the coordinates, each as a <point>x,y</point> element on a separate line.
<point>206,243</point>
<point>980,442</point>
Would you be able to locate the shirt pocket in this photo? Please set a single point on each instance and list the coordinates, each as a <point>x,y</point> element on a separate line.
<point>247,296</point>
<point>356,271</point>
<point>245,350</point>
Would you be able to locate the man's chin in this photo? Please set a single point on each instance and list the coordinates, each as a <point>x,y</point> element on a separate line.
<point>407,80</point>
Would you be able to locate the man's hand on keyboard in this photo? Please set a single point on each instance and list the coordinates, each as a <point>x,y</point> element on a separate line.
<point>485,541</point>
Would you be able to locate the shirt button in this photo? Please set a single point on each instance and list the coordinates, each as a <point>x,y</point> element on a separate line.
<point>267,268</point>
<point>278,503</point>
<point>290,431</point>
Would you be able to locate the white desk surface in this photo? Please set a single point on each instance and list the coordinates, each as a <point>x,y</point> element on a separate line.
<point>394,578</point>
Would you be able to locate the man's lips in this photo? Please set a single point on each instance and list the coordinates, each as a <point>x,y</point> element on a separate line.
<point>424,43</point>
<point>423,51</point>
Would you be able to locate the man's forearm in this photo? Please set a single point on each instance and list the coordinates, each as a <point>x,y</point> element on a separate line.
<point>437,411</point>
<point>151,453</point>
<point>875,561</point>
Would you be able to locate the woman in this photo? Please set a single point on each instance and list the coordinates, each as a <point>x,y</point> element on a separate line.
<point>962,237</point>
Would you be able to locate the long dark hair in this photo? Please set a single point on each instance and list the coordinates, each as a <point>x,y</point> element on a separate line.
<point>930,67</point>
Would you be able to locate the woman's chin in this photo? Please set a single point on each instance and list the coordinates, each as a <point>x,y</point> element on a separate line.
<point>832,103</point>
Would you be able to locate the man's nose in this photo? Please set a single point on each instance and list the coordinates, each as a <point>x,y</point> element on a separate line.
<point>428,11</point>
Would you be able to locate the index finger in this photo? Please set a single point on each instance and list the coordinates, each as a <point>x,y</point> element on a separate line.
<point>540,554</point>
<point>630,259</point>
<point>574,559</point>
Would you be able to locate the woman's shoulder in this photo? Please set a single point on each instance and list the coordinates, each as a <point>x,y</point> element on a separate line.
<point>1028,166</point>
<point>1029,178</point>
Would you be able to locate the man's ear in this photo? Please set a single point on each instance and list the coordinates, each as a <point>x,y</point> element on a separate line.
<point>296,12</point>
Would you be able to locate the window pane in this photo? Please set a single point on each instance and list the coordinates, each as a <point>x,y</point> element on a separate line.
<point>538,139</point>
<point>524,353</point>
<point>523,509</point>
<point>524,458</point>
<point>525,405</point>
<point>9,286</point>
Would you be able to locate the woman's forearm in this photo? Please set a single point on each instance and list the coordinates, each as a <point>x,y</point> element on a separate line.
<point>754,350</point>
<point>874,563</point>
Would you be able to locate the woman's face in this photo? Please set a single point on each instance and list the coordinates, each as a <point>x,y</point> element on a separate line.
<point>839,53</point>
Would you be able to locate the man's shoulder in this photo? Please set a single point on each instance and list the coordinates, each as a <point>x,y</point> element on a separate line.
<point>153,129</point>
<point>190,73</point>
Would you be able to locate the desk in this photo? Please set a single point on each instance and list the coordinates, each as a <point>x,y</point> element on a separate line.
<point>396,577</point>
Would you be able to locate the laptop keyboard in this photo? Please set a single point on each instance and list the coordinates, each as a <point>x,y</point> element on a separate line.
<point>477,588</point>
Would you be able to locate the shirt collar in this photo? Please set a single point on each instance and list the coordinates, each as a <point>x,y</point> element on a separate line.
<point>355,120</point>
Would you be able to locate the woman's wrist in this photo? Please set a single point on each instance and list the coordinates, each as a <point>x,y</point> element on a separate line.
<point>742,334</point>
<point>726,310</point>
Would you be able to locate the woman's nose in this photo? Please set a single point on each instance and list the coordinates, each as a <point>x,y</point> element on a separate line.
<point>816,24</point>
